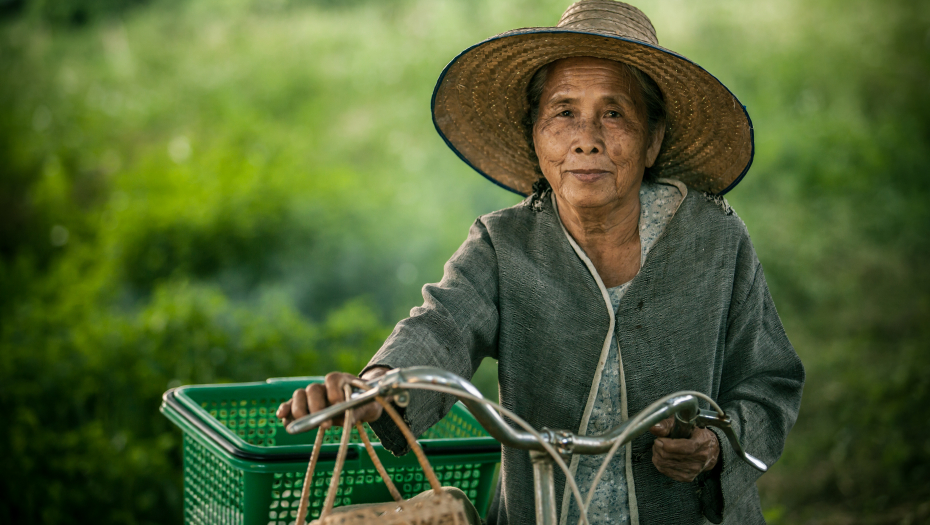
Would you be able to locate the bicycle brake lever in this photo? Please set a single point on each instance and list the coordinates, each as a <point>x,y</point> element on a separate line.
<point>709,418</point>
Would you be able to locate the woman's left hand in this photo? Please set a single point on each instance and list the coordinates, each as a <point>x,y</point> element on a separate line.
<point>683,459</point>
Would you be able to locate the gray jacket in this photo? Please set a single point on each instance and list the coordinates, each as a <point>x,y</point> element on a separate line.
<point>698,316</point>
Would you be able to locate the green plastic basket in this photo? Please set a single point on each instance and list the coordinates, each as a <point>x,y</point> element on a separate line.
<point>242,467</point>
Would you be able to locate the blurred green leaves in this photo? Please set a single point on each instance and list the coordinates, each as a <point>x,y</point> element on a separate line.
<point>209,191</point>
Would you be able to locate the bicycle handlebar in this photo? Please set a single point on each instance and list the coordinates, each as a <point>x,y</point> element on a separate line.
<point>398,381</point>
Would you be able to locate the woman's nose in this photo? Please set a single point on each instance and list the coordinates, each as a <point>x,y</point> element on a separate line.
<point>590,138</point>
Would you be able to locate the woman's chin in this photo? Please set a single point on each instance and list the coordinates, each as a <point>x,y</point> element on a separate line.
<point>586,198</point>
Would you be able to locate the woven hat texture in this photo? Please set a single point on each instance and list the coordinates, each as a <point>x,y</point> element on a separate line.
<point>479,102</point>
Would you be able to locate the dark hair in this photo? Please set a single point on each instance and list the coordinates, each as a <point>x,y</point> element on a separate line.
<point>652,95</point>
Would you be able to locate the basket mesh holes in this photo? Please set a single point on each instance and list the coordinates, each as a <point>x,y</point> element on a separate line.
<point>213,492</point>
<point>255,419</point>
<point>259,414</point>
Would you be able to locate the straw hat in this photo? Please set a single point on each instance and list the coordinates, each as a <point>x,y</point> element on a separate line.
<point>480,99</point>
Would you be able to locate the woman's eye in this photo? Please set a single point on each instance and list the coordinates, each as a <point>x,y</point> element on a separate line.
<point>565,113</point>
<point>613,114</point>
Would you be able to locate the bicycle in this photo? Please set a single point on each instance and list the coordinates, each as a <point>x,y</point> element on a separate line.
<point>546,447</point>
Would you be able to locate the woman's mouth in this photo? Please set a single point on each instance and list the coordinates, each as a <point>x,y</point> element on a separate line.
<point>589,175</point>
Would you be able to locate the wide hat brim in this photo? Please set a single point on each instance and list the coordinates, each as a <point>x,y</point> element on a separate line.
<point>479,105</point>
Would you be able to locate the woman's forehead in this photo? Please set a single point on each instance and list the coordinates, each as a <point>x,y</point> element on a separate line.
<point>588,74</point>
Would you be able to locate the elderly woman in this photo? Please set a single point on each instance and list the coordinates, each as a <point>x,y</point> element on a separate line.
<point>622,277</point>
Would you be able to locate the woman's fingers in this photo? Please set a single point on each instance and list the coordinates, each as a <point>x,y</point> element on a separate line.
<point>681,447</point>
<point>674,465</point>
<point>299,406</point>
<point>684,459</point>
<point>317,396</point>
<point>368,413</point>
<point>662,428</point>
<point>333,383</point>
<point>284,411</point>
<point>317,400</point>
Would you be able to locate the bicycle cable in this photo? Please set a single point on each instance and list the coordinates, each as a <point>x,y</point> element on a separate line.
<point>583,504</point>
<point>569,479</point>
<point>632,424</point>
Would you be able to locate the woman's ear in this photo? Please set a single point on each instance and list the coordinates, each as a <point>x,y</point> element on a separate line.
<point>652,153</point>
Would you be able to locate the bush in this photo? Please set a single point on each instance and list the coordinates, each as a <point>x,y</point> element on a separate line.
<point>210,191</point>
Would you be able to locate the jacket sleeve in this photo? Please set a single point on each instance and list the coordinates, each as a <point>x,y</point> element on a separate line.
<point>454,329</point>
<point>760,389</point>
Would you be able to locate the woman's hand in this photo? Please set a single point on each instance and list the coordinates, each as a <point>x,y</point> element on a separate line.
<point>318,396</point>
<point>683,459</point>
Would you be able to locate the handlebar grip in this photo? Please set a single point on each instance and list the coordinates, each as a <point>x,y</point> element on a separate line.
<point>684,424</point>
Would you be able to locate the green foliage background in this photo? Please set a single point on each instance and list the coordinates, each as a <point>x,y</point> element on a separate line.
<point>230,190</point>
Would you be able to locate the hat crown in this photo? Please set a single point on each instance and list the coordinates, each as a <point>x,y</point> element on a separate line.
<point>609,17</point>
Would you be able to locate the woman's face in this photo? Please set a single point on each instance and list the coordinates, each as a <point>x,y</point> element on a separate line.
<point>592,135</point>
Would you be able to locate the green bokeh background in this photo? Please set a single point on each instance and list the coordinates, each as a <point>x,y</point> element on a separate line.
<point>206,191</point>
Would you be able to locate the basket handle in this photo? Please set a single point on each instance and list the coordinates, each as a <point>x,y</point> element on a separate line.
<point>341,457</point>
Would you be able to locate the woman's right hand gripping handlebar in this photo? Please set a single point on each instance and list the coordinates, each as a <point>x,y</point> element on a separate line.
<point>318,396</point>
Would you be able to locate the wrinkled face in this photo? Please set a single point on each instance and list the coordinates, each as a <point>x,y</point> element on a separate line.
<point>592,135</point>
